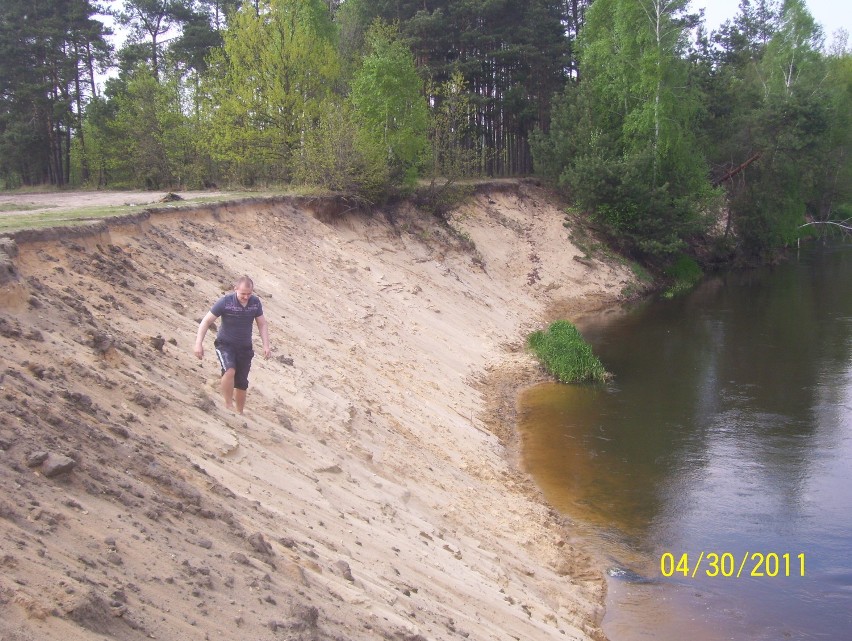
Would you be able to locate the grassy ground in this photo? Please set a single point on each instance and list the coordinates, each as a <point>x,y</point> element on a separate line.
<point>57,209</point>
<point>17,221</point>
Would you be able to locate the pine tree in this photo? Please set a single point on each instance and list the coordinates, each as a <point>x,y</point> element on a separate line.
<point>513,56</point>
<point>47,58</point>
<point>153,19</point>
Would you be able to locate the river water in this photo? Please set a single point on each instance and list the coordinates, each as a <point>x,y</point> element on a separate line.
<point>715,470</point>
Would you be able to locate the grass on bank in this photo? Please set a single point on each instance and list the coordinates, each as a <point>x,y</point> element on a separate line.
<point>564,353</point>
<point>685,274</point>
<point>19,207</point>
<point>43,219</point>
<point>16,217</point>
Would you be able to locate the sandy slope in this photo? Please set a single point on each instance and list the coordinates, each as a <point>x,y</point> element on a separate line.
<point>368,493</point>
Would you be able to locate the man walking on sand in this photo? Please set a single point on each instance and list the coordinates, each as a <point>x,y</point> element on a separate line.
<point>238,311</point>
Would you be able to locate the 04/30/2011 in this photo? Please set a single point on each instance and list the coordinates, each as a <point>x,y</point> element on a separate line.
<point>729,565</point>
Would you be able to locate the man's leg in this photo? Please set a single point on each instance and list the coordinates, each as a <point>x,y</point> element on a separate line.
<point>229,363</point>
<point>239,400</point>
<point>241,378</point>
<point>227,385</point>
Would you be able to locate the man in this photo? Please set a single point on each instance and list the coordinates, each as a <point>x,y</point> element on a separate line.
<point>238,310</point>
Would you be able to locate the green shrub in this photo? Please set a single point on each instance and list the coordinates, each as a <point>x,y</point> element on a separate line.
<point>685,274</point>
<point>564,353</point>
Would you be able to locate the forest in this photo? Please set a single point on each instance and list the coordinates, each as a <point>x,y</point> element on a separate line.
<point>655,128</point>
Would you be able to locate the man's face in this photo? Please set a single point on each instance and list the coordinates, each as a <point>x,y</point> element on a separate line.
<point>243,292</point>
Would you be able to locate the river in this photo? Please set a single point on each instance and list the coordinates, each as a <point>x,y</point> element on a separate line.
<point>714,471</point>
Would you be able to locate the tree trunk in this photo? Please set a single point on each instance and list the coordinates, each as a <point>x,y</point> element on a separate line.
<point>90,65</point>
<point>84,161</point>
<point>737,169</point>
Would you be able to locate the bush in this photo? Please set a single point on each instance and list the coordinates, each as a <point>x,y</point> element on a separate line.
<point>338,155</point>
<point>564,353</point>
<point>685,274</point>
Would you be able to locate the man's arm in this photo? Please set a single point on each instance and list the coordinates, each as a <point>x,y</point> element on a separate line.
<point>205,324</point>
<point>263,328</point>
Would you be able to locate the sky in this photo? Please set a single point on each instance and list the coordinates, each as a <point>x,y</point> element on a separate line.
<point>830,14</point>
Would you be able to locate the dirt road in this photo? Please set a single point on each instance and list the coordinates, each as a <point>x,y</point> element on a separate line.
<point>19,202</point>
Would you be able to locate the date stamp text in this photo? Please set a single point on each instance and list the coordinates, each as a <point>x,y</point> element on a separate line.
<point>729,565</point>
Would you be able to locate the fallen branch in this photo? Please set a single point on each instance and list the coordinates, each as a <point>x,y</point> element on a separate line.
<point>843,224</point>
<point>736,170</point>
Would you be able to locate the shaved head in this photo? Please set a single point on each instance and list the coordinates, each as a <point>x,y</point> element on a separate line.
<point>244,280</point>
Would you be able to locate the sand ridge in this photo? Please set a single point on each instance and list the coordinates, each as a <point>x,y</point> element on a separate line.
<point>370,490</point>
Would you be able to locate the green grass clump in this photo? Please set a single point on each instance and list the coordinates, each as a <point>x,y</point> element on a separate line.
<point>685,274</point>
<point>564,353</point>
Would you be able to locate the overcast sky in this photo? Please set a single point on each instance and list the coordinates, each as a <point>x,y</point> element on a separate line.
<point>830,14</point>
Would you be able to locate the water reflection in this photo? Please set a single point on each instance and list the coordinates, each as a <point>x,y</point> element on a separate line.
<point>727,429</point>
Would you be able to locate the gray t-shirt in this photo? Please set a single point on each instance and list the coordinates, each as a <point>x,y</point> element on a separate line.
<point>237,320</point>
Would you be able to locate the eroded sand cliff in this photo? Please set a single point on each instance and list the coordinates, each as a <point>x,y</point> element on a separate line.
<point>368,493</point>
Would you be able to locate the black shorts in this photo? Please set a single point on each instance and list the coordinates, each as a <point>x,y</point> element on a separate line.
<point>237,358</point>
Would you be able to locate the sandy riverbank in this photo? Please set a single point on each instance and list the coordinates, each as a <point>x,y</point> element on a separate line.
<point>370,492</point>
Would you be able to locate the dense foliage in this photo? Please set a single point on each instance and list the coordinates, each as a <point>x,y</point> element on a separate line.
<point>49,52</point>
<point>623,141</point>
<point>657,129</point>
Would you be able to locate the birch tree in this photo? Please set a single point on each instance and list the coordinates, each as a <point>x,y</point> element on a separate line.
<point>269,83</point>
<point>630,151</point>
<point>386,94</point>
<point>791,127</point>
